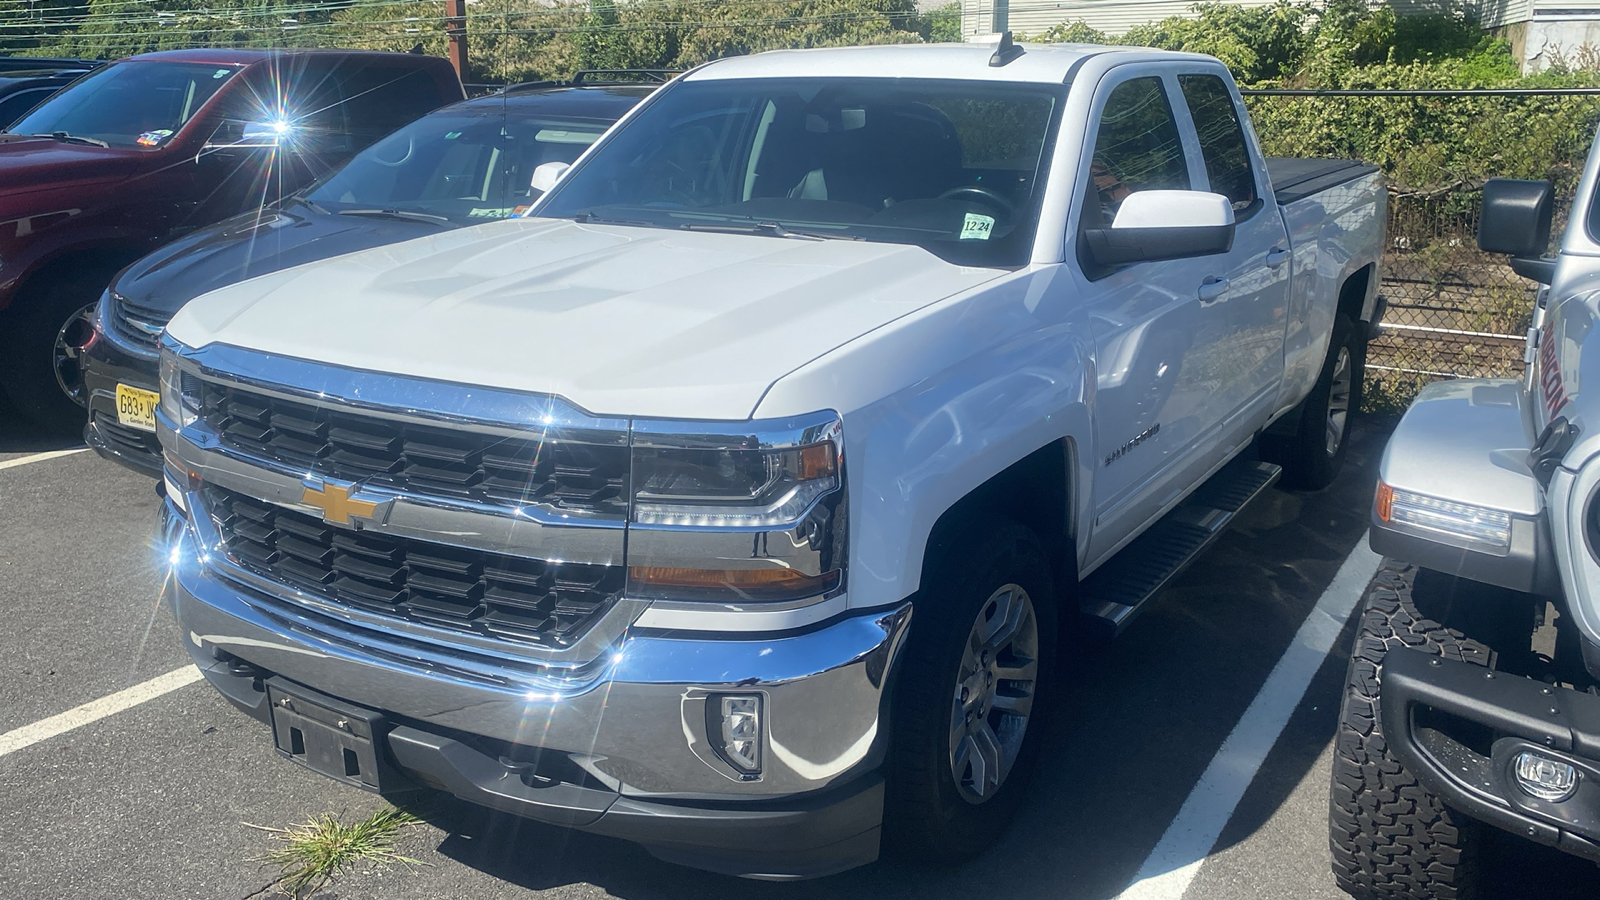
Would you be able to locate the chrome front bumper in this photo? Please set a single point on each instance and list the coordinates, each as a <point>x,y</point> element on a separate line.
<point>636,721</point>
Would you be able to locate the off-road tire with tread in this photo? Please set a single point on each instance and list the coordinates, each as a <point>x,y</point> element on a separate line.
<point>1391,838</point>
<point>925,818</point>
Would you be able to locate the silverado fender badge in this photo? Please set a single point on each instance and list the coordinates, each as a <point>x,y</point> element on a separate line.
<point>339,507</point>
<point>1143,436</point>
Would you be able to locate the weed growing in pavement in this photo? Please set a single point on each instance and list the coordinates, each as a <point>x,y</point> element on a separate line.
<point>317,850</point>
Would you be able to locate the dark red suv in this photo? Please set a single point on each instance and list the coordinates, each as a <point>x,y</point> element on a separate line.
<point>143,150</point>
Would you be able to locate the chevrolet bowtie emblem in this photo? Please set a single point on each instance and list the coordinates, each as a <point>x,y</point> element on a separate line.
<point>336,503</point>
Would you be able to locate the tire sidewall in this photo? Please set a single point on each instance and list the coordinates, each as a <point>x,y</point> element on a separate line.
<point>1307,463</point>
<point>30,327</point>
<point>947,825</point>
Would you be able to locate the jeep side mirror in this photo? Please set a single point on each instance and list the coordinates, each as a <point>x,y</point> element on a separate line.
<point>1516,221</point>
<point>546,176</point>
<point>1157,225</point>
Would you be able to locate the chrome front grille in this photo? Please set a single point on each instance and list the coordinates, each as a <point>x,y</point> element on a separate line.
<point>494,595</point>
<point>569,477</point>
<point>140,326</point>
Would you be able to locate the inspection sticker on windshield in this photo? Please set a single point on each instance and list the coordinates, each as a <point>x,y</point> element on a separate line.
<point>976,227</point>
<point>154,138</point>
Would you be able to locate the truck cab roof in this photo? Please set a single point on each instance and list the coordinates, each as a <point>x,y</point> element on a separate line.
<point>1039,63</point>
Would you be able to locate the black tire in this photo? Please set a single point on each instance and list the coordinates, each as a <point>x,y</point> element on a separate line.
<point>1390,837</point>
<point>927,815</point>
<point>1308,463</point>
<point>28,361</point>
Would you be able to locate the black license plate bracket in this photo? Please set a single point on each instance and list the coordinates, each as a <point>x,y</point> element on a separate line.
<point>328,736</point>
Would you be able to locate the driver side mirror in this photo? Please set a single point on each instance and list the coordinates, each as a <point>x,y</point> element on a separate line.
<point>546,176</point>
<point>1158,225</point>
<point>1516,221</point>
<point>236,134</point>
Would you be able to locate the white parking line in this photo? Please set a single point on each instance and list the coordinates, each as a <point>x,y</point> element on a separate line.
<point>95,710</point>
<point>39,457</point>
<point>1177,857</point>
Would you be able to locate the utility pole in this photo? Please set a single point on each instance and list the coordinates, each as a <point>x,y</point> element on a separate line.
<point>455,30</point>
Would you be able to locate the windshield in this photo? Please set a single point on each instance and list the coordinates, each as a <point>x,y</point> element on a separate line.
<point>464,166</point>
<point>131,104</point>
<point>952,166</point>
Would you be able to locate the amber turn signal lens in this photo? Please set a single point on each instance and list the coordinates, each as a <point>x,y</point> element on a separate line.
<point>176,467</point>
<point>763,584</point>
<point>816,461</point>
<point>1384,501</point>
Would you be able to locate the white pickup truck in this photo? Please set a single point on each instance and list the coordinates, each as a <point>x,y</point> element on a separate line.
<point>741,500</point>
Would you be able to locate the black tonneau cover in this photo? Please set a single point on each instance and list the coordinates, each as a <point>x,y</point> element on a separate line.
<point>1297,179</point>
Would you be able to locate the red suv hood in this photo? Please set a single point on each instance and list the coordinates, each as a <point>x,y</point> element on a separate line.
<point>32,164</point>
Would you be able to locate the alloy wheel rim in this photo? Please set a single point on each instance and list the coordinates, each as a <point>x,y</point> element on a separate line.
<point>1339,401</point>
<point>64,358</point>
<point>994,692</point>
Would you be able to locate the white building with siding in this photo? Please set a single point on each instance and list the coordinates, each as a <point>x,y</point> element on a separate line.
<point>1537,29</point>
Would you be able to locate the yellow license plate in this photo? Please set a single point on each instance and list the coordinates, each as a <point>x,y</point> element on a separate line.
<point>136,408</point>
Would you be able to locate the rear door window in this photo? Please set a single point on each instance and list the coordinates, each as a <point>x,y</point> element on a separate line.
<point>1222,143</point>
<point>379,99</point>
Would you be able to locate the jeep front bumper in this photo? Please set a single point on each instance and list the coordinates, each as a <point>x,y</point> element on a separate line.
<point>1520,715</point>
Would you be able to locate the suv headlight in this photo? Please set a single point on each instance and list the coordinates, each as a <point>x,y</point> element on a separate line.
<point>750,511</point>
<point>180,391</point>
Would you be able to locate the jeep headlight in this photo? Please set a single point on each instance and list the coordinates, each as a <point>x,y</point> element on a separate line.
<point>180,391</point>
<point>742,512</point>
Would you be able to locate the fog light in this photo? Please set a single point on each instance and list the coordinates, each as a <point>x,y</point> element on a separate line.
<point>740,746</point>
<point>1546,778</point>
<point>1456,524</point>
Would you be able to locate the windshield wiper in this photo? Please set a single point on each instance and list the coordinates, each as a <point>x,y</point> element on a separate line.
<point>403,214</point>
<point>589,217</point>
<point>65,138</point>
<point>770,229</point>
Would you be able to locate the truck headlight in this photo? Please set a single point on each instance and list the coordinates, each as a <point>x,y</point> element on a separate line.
<point>749,511</point>
<point>180,391</point>
<point>734,487</point>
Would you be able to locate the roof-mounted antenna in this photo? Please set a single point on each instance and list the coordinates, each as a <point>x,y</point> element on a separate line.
<point>1005,52</point>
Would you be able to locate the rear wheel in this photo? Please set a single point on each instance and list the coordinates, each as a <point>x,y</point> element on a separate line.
<point>977,669</point>
<point>1312,456</point>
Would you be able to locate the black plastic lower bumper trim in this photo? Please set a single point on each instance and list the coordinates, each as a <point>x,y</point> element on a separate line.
<point>1524,714</point>
<point>798,837</point>
<point>804,836</point>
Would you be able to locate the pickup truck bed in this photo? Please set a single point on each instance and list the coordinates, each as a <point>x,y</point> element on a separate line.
<point>1296,179</point>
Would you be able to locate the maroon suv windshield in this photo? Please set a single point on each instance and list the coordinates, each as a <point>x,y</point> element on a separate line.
<point>130,104</point>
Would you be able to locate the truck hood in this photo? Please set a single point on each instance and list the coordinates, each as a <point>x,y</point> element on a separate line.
<point>32,164</point>
<point>619,320</point>
<point>250,245</point>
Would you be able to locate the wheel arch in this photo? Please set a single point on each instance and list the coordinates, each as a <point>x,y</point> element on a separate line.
<point>1357,293</point>
<point>1038,491</point>
<point>92,259</point>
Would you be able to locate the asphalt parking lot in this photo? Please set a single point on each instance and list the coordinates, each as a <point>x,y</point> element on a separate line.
<point>159,798</point>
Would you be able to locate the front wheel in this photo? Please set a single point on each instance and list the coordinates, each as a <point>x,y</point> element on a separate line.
<point>1391,838</point>
<point>42,334</point>
<point>978,664</point>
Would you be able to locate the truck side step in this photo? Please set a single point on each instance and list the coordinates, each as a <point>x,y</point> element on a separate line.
<point>1114,593</point>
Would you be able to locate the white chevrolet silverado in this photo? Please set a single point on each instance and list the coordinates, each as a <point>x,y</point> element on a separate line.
<point>741,500</point>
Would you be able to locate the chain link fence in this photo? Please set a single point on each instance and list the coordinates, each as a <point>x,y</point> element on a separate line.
<point>1454,311</point>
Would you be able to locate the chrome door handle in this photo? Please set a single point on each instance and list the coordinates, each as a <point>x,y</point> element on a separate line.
<point>1277,256</point>
<point>1212,289</point>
